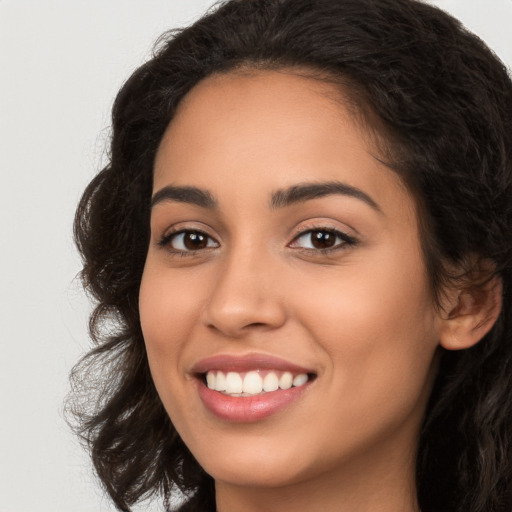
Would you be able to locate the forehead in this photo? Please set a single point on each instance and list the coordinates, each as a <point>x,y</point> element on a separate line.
<point>259,105</point>
<point>267,127</point>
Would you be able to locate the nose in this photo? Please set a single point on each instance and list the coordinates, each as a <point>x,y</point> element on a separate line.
<point>245,297</point>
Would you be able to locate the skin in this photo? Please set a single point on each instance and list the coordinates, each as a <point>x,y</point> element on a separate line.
<point>361,315</point>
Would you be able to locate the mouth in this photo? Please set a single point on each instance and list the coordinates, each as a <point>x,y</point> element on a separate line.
<point>254,382</point>
<point>250,388</point>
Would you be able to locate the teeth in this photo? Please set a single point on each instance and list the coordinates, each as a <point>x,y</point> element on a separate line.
<point>300,379</point>
<point>270,382</point>
<point>252,383</point>
<point>211,380</point>
<point>233,383</point>
<point>220,382</point>
<point>286,380</point>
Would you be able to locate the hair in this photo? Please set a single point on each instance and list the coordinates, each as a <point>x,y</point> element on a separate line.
<point>440,101</point>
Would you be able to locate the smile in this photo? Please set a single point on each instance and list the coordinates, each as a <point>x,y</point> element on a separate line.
<point>250,388</point>
<point>252,383</point>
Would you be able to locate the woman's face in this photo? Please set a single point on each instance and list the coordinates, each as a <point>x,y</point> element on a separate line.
<point>283,251</point>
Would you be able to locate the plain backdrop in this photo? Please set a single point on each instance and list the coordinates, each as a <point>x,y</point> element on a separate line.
<point>61,64</point>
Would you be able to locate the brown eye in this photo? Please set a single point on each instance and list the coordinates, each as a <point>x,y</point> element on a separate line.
<point>194,240</point>
<point>323,239</point>
<point>189,241</point>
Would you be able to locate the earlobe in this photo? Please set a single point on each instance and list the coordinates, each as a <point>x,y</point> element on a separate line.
<point>473,313</point>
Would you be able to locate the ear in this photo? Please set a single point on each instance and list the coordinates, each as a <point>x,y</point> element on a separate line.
<point>472,313</point>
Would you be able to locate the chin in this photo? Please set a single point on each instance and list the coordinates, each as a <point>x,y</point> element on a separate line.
<point>253,463</point>
<point>272,474</point>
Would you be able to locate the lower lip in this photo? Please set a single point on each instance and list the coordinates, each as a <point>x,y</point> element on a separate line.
<point>249,408</point>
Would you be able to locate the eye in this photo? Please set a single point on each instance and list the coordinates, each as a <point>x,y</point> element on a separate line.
<point>188,241</point>
<point>322,240</point>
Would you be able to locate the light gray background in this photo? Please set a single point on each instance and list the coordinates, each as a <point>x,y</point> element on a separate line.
<point>61,64</point>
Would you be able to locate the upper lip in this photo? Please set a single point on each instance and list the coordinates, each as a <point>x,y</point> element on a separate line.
<point>245,363</point>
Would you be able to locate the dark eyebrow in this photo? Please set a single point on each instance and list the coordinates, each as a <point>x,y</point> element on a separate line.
<point>307,191</point>
<point>191,195</point>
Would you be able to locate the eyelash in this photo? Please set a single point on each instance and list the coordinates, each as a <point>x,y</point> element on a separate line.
<point>167,239</point>
<point>346,240</point>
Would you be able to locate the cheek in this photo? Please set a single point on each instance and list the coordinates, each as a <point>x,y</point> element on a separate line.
<point>368,300</point>
<point>377,326</point>
<point>167,313</point>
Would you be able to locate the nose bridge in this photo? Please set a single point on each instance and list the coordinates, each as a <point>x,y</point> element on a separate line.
<point>246,292</point>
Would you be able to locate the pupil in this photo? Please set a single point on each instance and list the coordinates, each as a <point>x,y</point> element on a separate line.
<point>322,239</point>
<point>195,241</point>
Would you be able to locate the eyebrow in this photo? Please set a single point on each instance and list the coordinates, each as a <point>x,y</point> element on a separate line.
<point>191,195</point>
<point>279,199</point>
<point>307,191</point>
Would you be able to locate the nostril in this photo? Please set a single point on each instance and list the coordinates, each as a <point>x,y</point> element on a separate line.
<point>234,312</point>
<point>240,329</point>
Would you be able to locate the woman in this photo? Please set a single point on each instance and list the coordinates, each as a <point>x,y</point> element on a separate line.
<point>301,255</point>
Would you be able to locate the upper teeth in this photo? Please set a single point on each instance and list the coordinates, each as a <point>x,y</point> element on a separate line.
<point>252,383</point>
